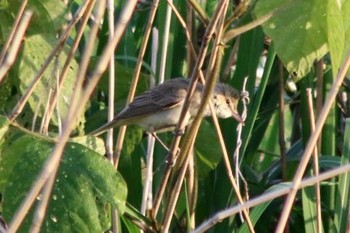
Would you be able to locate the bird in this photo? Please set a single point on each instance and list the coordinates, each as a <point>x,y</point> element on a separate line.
<point>159,109</point>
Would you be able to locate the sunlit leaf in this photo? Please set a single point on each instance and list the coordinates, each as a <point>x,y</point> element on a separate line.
<point>85,184</point>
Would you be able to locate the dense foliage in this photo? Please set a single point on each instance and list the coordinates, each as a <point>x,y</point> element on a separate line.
<point>293,56</point>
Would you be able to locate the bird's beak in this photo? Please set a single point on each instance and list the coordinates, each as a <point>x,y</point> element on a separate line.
<point>237,117</point>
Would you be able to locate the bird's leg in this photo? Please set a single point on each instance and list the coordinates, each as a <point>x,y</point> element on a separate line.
<point>169,161</point>
<point>178,132</point>
<point>160,141</point>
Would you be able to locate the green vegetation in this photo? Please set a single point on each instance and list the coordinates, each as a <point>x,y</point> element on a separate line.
<point>292,54</point>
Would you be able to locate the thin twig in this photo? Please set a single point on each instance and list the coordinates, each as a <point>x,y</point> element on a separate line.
<point>229,35</point>
<point>201,13</point>
<point>42,206</point>
<point>146,202</point>
<point>111,82</point>
<point>315,157</point>
<point>147,194</point>
<point>231,61</point>
<point>165,40</point>
<point>187,32</point>
<point>10,57</point>
<point>319,97</point>
<point>312,141</point>
<point>46,118</point>
<point>14,29</point>
<point>111,88</point>
<point>269,196</point>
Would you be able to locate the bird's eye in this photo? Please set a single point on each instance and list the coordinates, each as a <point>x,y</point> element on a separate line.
<point>228,101</point>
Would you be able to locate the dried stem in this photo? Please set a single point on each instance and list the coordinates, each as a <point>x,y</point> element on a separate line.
<point>281,132</point>
<point>10,56</point>
<point>13,31</point>
<point>111,82</point>
<point>315,157</point>
<point>319,97</point>
<point>42,206</point>
<point>201,13</point>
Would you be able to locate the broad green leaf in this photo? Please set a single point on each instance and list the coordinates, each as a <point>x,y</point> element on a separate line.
<point>35,51</point>
<point>343,195</point>
<point>86,184</point>
<point>94,143</point>
<point>298,30</point>
<point>48,16</point>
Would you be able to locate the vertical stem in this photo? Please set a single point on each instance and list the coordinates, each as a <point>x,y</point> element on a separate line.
<point>111,82</point>
<point>282,141</point>
<point>315,157</point>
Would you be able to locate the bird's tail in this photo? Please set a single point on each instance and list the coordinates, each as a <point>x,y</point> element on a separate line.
<point>105,127</point>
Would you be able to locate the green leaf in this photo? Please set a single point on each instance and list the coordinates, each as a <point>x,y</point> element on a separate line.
<point>258,210</point>
<point>298,31</point>
<point>94,143</point>
<point>85,185</point>
<point>3,126</point>
<point>207,149</point>
<point>35,51</point>
<point>309,209</point>
<point>48,16</point>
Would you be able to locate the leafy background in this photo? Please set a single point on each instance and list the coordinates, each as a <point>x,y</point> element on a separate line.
<point>301,46</point>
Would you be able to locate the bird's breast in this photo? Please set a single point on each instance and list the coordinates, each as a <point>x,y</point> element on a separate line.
<point>161,121</point>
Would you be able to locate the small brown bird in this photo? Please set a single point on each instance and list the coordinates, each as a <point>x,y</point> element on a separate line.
<point>159,109</point>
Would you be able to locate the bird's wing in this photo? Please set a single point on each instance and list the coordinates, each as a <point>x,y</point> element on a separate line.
<point>158,99</point>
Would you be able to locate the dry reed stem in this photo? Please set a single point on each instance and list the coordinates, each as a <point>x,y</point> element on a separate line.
<point>111,94</point>
<point>315,160</point>
<point>10,56</point>
<point>312,142</point>
<point>111,82</point>
<point>42,206</point>
<point>13,31</point>
<point>269,196</point>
